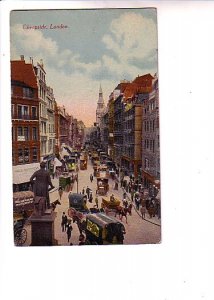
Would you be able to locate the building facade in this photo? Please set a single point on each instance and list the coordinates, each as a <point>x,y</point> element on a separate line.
<point>25,113</point>
<point>151,143</point>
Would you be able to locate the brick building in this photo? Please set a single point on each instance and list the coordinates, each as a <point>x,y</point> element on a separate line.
<point>25,113</point>
<point>25,123</point>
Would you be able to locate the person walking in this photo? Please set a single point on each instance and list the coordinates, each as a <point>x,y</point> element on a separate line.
<point>143,211</point>
<point>91,177</point>
<point>96,201</point>
<point>64,221</point>
<point>83,191</point>
<point>87,191</point>
<point>69,229</point>
<point>90,196</point>
<point>132,195</point>
<point>60,191</point>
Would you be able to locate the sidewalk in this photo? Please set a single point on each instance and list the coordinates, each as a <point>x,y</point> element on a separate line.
<point>153,220</point>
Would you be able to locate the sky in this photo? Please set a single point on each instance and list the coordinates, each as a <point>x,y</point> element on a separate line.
<point>100,46</point>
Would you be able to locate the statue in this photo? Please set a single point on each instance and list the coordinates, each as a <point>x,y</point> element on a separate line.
<point>40,182</point>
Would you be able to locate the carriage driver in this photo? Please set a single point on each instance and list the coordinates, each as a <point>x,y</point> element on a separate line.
<point>112,199</point>
<point>40,181</point>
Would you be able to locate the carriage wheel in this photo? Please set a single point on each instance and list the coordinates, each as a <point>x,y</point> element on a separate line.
<point>20,237</point>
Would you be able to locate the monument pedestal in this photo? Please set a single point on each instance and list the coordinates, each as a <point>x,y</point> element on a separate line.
<point>42,229</point>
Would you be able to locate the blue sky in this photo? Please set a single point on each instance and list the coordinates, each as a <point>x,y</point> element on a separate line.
<point>98,46</point>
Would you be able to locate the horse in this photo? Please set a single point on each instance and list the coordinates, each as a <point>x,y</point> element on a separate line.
<point>54,204</point>
<point>123,211</point>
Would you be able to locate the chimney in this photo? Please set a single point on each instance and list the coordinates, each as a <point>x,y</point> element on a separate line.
<point>22,57</point>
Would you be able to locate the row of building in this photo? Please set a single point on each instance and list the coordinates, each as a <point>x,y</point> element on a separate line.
<point>40,127</point>
<point>128,128</point>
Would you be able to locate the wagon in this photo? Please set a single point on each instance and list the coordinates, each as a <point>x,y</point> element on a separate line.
<point>110,204</point>
<point>78,202</point>
<point>102,186</point>
<point>103,230</point>
<point>20,233</point>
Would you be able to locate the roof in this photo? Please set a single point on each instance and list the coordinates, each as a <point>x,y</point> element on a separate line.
<point>24,73</point>
<point>23,173</point>
<point>142,79</point>
<point>102,219</point>
<point>121,86</point>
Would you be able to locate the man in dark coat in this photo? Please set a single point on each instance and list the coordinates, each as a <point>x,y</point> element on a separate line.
<point>40,180</point>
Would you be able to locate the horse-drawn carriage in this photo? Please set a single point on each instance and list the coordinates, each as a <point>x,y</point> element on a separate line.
<point>83,162</point>
<point>23,205</point>
<point>102,186</point>
<point>103,230</point>
<point>110,204</point>
<point>78,202</point>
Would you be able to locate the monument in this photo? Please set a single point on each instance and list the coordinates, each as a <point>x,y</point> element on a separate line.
<point>42,218</point>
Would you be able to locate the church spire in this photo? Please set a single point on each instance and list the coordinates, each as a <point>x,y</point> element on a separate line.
<point>100,100</point>
<point>100,106</point>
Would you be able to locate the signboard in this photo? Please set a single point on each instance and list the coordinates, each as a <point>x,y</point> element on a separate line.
<point>21,138</point>
<point>93,228</point>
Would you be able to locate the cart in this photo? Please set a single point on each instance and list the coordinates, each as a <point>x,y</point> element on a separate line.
<point>103,230</point>
<point>102,186</point>
<point>20,233</point>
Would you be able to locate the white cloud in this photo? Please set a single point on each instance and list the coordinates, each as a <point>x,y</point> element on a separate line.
<point>131,38</point>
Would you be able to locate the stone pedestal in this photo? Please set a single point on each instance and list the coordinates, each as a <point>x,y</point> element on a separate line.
<point>42,229</point>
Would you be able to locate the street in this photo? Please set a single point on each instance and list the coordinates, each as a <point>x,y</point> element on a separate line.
<point>138,230</point>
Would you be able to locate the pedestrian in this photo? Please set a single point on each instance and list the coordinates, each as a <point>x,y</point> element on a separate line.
<point>125,203</point>
<point>91,177</point>
<point>87,191</point>
<point>143,211</point>
<point>96,201</point>
<point>64,221</point>
<point>132,195</point>
<point>90,197</point>
<point>124,195</point>
<point>137,200</point>
<point>83,191</point>
<point>60,191</point>
<point>69,229</point>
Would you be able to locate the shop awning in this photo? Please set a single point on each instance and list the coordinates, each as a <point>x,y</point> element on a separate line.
<point>22,173</point>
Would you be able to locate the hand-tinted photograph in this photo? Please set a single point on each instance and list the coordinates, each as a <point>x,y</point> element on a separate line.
<point>85,127</point>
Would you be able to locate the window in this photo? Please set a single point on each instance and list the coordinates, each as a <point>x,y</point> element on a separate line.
<point>19,112</point>
<point>26,155</point>
<point>35,155</point>
<point>20,156</point>
<point>26,133</point>
<point>20,131</point>
<point>34,112</point>
<point>28,92</point>
<point>13,134</point>
<point>153,145</point>
<point>12,110</point>
<point>34,134</point>
<point>23,112</point>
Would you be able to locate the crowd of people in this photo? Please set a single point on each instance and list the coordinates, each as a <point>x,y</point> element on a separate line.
<point>144,198</point>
